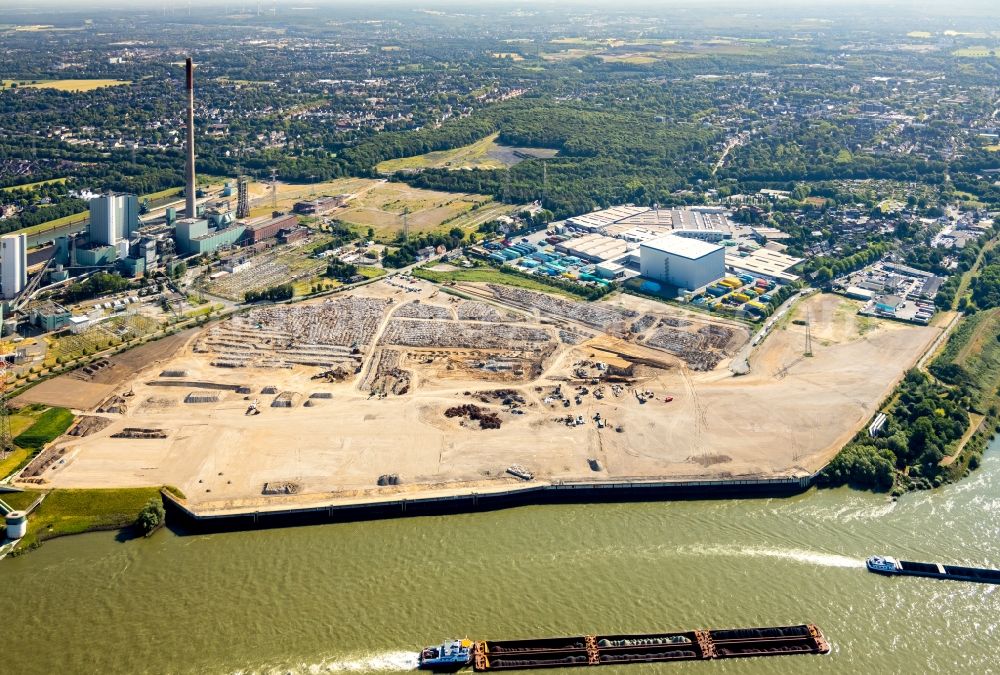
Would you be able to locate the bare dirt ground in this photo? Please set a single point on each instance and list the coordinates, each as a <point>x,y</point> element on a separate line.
<point>81,391</point>
<point>368,378</point>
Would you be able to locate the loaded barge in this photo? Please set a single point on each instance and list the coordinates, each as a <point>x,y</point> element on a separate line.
<point>883,564</point>
<point>595,650</point>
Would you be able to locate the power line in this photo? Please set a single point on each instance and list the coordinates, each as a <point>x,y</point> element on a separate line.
<point>809,340</point>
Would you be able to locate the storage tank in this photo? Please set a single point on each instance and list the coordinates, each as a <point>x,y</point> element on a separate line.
<point>17,524</point>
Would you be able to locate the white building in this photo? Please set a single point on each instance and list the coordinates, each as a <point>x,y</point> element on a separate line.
<point>13,264</point>
<point>682,262</point>
<point>113,218</point>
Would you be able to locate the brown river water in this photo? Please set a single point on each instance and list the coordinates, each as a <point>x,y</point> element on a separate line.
<point>364,597</point>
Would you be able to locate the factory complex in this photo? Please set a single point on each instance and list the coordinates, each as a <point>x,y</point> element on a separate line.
<point>119,238</point>
<point>677,253</point>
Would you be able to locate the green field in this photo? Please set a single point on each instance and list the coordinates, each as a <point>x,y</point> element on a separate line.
<point>28,186</point>
<point>49,426</point>
<point>14,461</point>
<point>75,511</point>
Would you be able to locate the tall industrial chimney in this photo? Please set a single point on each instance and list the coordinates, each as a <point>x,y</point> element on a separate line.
<point>189,169</point>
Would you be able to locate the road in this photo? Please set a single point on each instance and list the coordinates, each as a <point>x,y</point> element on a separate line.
<point>734,142</point>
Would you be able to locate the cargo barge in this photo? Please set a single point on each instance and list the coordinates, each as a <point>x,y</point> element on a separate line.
<point>883,564</point>
<point>595,650</point>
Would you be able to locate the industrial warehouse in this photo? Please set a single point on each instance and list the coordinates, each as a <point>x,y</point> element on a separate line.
<point>682,254</point>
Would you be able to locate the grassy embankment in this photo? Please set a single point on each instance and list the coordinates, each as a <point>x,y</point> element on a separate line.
<point>65,512</point>
<point>487,274</point>
<point>82,215</point>
<point>970,364</point>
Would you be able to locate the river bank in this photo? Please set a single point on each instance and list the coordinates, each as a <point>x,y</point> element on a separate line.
<point>363,597</point>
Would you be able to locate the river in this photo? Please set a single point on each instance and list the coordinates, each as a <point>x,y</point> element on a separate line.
<point>364,597</point>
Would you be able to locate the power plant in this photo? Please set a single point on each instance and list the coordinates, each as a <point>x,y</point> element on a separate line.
<point>118,240</point>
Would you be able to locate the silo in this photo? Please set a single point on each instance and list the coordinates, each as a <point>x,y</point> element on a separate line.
<point>17,524</point>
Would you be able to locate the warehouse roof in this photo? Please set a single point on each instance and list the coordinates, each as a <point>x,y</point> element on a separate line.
<point>766,262</point>
<point>684,247</point>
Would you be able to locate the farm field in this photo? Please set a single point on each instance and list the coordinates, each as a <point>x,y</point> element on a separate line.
<point>977,52</point>
<point>638,52</point>
<point>485,153</point>
<point>66,85</point>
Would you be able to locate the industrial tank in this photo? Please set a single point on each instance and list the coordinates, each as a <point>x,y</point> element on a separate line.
<point>17,524</point>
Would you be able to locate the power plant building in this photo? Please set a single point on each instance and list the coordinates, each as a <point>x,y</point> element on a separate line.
<point>13,264</point>
<point>268,229</point>
<point>195,237</point>
<point>682,262</point>
<point>113,218</point>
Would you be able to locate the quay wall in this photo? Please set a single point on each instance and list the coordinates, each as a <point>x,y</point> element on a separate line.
<point>184,517</point>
